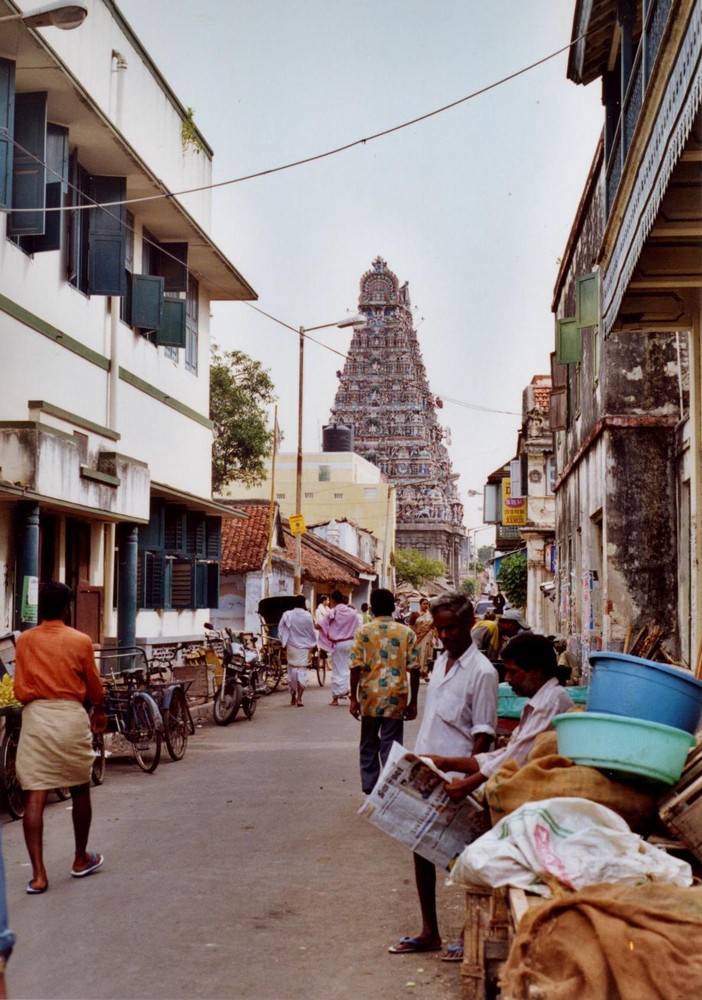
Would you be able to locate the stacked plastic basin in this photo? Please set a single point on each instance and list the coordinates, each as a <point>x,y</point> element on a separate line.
<point>640,721</point>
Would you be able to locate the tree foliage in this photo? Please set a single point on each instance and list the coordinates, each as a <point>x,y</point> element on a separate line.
<point>469,586</point>
<point>513,578</point>
<point>240,390</point>
<point>412,566</point>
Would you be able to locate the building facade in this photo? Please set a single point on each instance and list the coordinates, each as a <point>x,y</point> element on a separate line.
<point>384,398</point>
<point>105,437</point>
<point>626,400</point>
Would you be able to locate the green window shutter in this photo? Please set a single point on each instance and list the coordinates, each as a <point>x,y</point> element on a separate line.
<point>51,237</point>
<point>151,535</point>
<point>7,128</point>
<point>107,237</point>
<point>175,531</point>
<point>28,170</point>
<point>201,569</point>
<point>587,299</point>
<point>568,342</point>
<point>171,332</point>
<point>196,541</point>
<point>156,581</point>
<point>213,527</point>
<point>183,583</point>
<point>212,585</point>
<point>147,301</point>
<point>171,264</point>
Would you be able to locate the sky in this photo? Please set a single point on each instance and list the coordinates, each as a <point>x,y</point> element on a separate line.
<point>472,207</point>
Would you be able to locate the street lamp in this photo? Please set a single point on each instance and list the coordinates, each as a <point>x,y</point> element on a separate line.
<point>356,322</point>
<point>56,15</point>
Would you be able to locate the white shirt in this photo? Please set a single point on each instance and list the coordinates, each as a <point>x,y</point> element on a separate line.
<point>549,700</point>
<point>296,629</point>
<point>459,705</point>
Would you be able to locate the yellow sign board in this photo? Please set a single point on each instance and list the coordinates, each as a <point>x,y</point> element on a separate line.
<point>514,509</point>
<point>297,524</point>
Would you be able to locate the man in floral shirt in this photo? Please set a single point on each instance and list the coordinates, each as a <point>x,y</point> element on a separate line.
<point>384,684</point>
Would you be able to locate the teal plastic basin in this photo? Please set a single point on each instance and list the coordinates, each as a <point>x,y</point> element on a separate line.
<point>627,747</point>
<point>629,685</point>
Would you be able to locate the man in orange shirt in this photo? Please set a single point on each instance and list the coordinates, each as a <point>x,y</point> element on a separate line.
<point>55,676</point>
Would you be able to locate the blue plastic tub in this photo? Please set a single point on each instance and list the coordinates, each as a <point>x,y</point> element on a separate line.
<point>622,746</point>
<point>642,689</point>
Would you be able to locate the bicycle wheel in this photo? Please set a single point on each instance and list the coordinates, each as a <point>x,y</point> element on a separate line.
<point>249,706</point>
<point>12,794</point>
<point>98,773</point>
<point>144,735</point>
<point>263,671</point>
<point>275,671</point>
<point>227,702</point>
<point>176,726</point>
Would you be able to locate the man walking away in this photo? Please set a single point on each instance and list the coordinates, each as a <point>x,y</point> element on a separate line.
<point>460,711</point>
<point>336,632</point>
<point>384,684</point>
<point>297,633</point>
<point>55,675</point>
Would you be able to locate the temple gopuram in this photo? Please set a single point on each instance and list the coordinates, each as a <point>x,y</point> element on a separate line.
<point>385,399</point>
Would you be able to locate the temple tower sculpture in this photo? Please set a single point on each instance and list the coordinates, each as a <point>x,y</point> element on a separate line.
<point>384,397</point>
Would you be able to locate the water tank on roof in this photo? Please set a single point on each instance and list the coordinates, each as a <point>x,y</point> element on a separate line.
<point>336,437</point>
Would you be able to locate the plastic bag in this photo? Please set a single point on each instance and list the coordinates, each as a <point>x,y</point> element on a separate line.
<point>570,842</point>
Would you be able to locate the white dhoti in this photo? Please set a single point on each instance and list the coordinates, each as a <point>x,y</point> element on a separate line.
<point>340,668</point>
<point>55,745</point>
<point>298,661</point>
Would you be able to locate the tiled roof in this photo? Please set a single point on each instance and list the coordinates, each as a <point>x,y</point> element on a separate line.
<point>319,568</point>
<point>542,397</point>
<point>245,542</point>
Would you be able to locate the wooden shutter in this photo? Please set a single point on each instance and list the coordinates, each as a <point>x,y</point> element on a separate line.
<point>213,527</point>
<point>151,535</point>
<point>182,587</point>
<point>568,342</point>
<point>147,301</point>
<point>107,237</point>
<point>50,239</point>
<point>175,528</point>
<point>7,128</point>
<point>196,537</point>
<point>212,585</point>
<point>28,170</point>
<point>587,300</point>
<point>201,569</point>
<point>171,332</point>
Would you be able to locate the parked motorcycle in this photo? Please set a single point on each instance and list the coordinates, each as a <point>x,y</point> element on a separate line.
<point>242,683</point>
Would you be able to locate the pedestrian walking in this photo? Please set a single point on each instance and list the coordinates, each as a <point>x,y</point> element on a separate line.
<point>297,633</point>
<point>384,684</point>
<point>336,632</point>
<point>460,711</point>
<point>55,675</point>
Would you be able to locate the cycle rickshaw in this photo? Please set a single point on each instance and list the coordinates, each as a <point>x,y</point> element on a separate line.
<point>272,652</point>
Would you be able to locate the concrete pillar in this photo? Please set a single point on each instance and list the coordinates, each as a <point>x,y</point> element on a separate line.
<point>26,566</point>
<point>126,584</point>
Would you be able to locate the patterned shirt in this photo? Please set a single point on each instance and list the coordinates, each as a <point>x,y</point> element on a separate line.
<point>384,650</point>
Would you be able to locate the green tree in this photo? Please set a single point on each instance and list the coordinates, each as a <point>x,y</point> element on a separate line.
<point>468,587</point>
<point>513,578</point>
<point>411,566</point>
<point>240,390</point>
<point>485,553</point>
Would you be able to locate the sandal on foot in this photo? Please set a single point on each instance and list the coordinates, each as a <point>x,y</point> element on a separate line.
<point>96,861</point>
<point>453,953</point>
<point>35,890</point>
<point>410,945</point>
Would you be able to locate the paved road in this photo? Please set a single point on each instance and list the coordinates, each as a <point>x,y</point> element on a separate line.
<point>240,872</point>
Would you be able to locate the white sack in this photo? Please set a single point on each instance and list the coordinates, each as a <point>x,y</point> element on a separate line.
<point>573,842</point>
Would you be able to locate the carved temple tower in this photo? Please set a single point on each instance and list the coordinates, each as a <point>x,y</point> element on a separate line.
<point>384,397</point>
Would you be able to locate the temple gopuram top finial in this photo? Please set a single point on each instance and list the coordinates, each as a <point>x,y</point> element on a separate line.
<point>379,286</point>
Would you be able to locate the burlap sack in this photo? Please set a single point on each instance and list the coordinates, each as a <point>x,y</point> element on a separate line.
<point>547,775</point>
<point>609,942</point>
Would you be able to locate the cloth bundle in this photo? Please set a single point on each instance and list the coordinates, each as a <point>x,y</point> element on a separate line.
<point>547,775</point>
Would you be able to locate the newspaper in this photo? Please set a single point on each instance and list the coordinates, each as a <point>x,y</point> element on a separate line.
<point>409,802</point>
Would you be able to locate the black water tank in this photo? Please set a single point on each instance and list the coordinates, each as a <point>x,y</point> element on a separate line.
<point>336,437</point>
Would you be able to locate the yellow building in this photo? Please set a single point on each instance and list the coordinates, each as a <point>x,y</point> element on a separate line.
<point>336,485</point>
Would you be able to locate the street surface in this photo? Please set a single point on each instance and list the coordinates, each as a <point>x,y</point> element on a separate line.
<point>241,871</point>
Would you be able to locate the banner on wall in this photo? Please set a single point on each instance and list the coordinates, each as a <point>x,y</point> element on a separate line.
<point>514,509</point>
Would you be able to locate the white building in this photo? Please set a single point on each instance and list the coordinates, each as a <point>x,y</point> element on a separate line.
<point>105,438</point>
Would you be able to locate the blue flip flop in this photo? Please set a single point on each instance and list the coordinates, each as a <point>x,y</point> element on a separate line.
<point>97,862</point>
<point>411,945</point>
<point>453,953</point>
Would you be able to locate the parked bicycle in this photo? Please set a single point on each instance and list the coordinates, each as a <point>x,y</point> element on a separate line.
<point>131,711</point>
